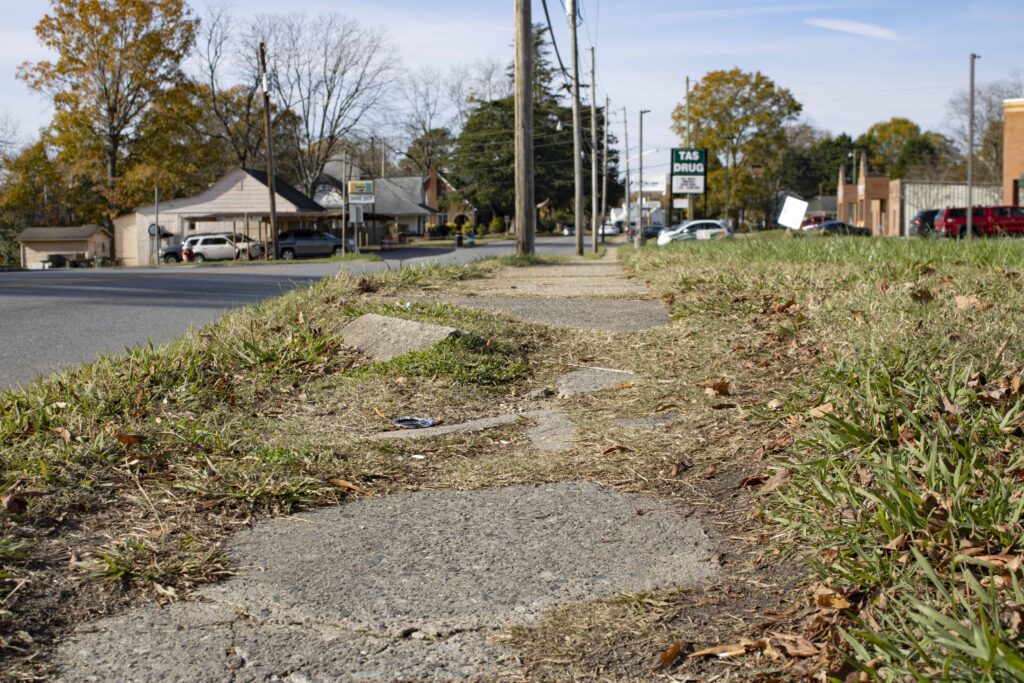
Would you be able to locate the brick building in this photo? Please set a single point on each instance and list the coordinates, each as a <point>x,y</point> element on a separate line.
<point>1013,152</point>
<point>865,203</point>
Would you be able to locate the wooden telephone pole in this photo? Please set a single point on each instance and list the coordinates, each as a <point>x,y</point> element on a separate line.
<point>577,133</point>
<point>593,156</point>
<point>267,130</point>
<point>526,211</point>
<point>604,172</point>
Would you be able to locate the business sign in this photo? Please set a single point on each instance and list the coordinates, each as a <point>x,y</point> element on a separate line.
<point>793,211</point>
<point>680,202</point>
<point>361,199</point>
<point>689,169</point>
<point>360,187</point>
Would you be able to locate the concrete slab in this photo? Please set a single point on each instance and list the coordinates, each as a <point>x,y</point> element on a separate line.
<point>480,425</point>
<point>382,337</point>
<point>403,587</point>
<point>553,432</point>
<point>590,380</point>
<point>613,315</point>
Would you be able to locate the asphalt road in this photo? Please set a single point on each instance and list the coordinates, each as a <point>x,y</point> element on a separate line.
<point>60,318</point>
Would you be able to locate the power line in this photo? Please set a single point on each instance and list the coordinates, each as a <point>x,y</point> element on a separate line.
<point>554,44</point>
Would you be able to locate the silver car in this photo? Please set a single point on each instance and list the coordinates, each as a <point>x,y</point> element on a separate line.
<point>694,230</point>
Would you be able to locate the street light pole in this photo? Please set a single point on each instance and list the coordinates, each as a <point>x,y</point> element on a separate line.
<point>639,241</point>
<point>625,147</point>
<point>271,180</point>
<point>970,150</point>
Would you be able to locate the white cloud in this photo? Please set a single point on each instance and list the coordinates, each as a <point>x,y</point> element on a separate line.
<point>855,27</point>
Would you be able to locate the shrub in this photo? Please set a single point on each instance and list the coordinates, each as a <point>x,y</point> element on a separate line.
<point>496,226</point>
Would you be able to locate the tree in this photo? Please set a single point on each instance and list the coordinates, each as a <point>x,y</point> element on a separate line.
<point>233,113</point>
<point>741,118</point>
<point>330,89</point>
<point>432,148</point>
<point>988,124</point>
<point>884,142</point>
<point>113,59</point>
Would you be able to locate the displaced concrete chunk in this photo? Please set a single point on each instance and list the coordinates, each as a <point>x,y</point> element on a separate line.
<point>590,380</point>
<point>382,337</point>
<point>553,432</point>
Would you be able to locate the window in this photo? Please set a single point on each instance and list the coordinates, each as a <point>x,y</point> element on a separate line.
<point>1017,211</point>
<point>215,241</point>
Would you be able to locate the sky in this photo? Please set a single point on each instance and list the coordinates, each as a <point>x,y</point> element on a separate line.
<point>850,64</point>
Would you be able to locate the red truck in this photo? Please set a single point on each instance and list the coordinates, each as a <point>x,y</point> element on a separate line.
<point>986,221</point>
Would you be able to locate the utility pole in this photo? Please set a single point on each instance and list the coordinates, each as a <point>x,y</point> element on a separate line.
<point>970,150</point>
<point>689,143</point>
<point>577,133</point>
<point>526,211</point>
<point>383,156</point>
<point>639,241</point>
<point>625,143</point>
<point>593,155</point>
<point>271,183</point>
<point>604,172</point>
<point>344,200</point>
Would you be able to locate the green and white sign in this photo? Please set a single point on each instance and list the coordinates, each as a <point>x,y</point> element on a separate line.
<point>689,169</point>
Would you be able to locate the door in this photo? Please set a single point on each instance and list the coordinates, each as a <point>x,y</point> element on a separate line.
<point>218,248</point>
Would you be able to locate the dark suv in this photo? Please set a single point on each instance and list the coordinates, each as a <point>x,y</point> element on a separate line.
<point>309,243</point>
<point>923,223</point>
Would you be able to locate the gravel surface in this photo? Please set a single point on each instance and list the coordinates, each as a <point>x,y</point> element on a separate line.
<point>410,586</point>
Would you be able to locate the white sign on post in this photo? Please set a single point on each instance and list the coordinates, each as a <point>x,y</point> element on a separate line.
<point>687,184</point>
<point>361,199</point>
<point>680,203</point>
<point>792,214</point>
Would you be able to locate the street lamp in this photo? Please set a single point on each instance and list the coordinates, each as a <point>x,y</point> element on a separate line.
<point>639,240</point>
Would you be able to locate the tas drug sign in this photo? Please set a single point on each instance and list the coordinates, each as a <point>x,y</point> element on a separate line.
<point>689,170</point>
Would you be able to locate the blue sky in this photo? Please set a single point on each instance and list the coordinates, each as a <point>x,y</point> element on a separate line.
<point>849,63</point>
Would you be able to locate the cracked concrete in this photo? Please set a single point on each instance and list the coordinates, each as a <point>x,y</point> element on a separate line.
<point>405,587</point>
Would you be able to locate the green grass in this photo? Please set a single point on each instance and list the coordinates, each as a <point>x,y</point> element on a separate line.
<point>907,497</point>
<point>526,260</point>
<point>150,457</point>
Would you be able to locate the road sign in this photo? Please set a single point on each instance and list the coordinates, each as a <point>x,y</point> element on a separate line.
<point>361,199</point>
<point>689,170</point>
<point>360,187</point>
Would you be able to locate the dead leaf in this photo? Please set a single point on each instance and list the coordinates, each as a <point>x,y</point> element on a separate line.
<point>830,599</point>
<point>716,387</point>
<point>776,404</point>
<point>896,544</point>
<point>724,406</point>
<point>669,656</point>
<point>129,439</point>
<point>63,434</point>
<point>949,407</point>
<point>776,480</point>
<point>782,308</point>
<point>730,650</point>
<point>346,484</point>
<point>796,646</point>
<point>752,480</point>
<point>970,301</point>
<point>617,448</point>
<point>822,410</point>
<point>14,504</point>
<point>922,296</point>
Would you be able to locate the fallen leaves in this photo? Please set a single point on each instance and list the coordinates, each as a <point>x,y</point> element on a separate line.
<point>349,486</point>
<point>922,296</point>
<point>829,598</point>
<point>775,481</point>
<point>669,656</point>
<point>129,439</point>
<point>971,302</point>
<point>14,504</point>
<point>822,410</point>
<point>718,387</point>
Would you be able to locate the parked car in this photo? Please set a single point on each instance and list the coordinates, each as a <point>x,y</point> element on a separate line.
<point>812,221</point>
<point>568,230</point>
<point>841,228</point>
<point>172,253</point>
<point>923,223</point>
<point>694,230</point>
<point>611,229</point>
<point>985,220</point>
<point>293,244</point>
<point>210,248</point>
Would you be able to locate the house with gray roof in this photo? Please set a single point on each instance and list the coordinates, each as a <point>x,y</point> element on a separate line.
<point>43,246</point>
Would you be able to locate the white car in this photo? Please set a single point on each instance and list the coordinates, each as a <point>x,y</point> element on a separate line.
<point>610,229</point>
<point>210,248</point>
<point>694,230</point>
